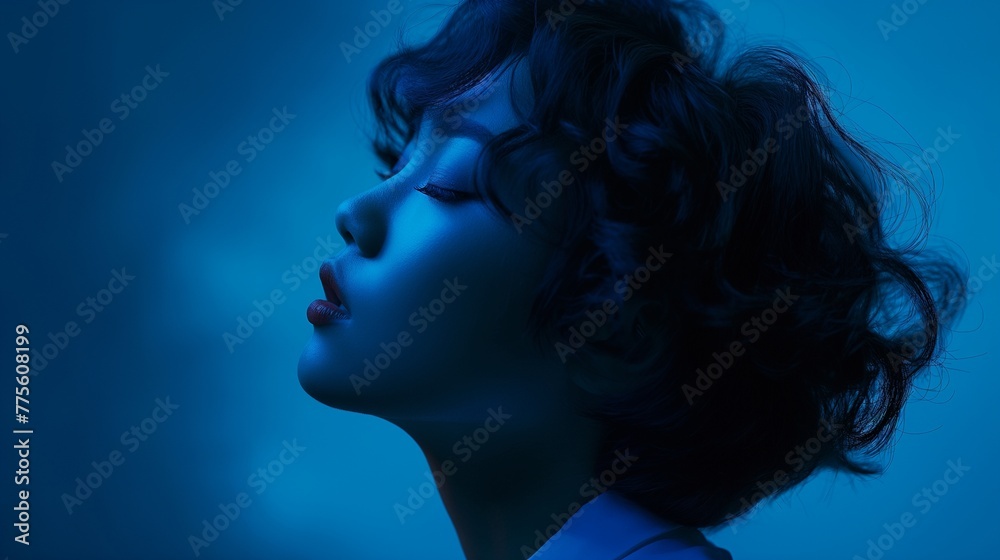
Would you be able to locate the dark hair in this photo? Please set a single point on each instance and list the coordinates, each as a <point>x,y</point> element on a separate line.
<point>737,166</point>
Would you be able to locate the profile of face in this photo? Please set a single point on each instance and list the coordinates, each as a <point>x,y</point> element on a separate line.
<point>436,312</point>
<point>436,288</point>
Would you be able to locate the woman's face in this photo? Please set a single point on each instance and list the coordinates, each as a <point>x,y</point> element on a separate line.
<point>438,286</point>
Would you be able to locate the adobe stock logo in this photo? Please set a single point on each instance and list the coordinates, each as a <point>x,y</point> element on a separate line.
<point>900,16</point>
<point>121,106</point>
<point>799,457</point>
<point>752,330</point>
<point>249,148</point>
<point>923,501</point>
<point>293,276</point>
<point>223,7</point>
<point>131,439</point>
<point>626,287</point>
<point>39,19</point>
<point>260,480</point>
<point>581,159</point>
<point>421,319</point>
<point>594,488</point>
<point>758,158</point>
<point>463,449</point>
<point>88,309</point>
<point>363,35</point>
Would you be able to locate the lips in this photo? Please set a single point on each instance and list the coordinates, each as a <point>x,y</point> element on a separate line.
<point>330,287</point>
<point>325,311</point>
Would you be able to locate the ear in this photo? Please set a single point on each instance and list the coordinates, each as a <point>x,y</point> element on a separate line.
<point>601,368</point>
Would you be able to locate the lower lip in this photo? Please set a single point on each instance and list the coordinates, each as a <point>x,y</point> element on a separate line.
<point>322,312</point>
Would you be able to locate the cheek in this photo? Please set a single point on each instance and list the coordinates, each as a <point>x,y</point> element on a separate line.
<point>446,302</point>
<point>463,253</point>
<point>462,287</point>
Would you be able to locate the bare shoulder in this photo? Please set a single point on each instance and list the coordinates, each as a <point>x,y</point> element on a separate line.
<point>693,546</point>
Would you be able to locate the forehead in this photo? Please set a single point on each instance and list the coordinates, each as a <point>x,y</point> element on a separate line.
<point>488,108</point>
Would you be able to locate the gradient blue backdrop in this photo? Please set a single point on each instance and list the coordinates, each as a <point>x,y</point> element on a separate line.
<point>163,335</point>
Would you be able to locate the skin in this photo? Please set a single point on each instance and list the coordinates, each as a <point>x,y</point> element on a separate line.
<point>402,245</point>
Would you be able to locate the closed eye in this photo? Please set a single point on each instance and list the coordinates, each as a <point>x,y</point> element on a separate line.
<point>443,194</point>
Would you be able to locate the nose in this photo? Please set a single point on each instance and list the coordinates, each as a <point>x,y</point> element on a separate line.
<point>362,220</point>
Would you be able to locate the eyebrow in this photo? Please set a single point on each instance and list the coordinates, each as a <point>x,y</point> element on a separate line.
<point>465,128</point>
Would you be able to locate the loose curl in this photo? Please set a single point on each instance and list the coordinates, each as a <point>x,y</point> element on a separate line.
<point>739,168</point>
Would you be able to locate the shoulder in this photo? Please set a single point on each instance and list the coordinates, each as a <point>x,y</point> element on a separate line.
<point>612,527</point>
<point>681,544</point>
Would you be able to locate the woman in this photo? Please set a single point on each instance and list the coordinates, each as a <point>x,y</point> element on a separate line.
<point>617,286</point>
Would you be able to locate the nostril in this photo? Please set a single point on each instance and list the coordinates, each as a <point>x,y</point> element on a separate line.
<point>341,220</point>
<point>362,222</point>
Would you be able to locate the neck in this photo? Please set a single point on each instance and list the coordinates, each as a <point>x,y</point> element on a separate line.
<point>507,488</point>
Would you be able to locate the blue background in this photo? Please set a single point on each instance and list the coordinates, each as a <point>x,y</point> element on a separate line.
<point>162,336</point>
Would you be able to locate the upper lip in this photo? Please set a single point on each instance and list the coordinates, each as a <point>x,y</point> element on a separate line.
<point>327,277</point>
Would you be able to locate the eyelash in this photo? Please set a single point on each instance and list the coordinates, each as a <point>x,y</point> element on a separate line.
<point>430,189</point>
<point>443,194</point>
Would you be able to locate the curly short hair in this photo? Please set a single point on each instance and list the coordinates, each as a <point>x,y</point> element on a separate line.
<point>736,164</point>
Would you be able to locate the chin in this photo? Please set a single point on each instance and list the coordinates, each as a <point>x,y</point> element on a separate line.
<point>338,382</point>
<point>321,379</point>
